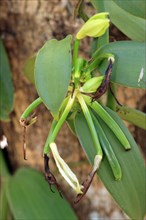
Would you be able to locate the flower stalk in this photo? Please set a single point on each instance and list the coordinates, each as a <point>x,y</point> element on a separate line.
<point>30,108</point>
<point>57,126</point>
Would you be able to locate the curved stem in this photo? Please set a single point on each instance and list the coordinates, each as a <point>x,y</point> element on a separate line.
<point>97,60</point>
<point>90,124</point>
<point>46,150</point>
<point>80,10</point>
<point>31,107</point>
<point>57,125</point>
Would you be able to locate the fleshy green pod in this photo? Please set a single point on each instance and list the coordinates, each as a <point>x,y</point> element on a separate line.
<point>113,162</point>
<point>92,84</point>
<point>111,123</point>
<point>90,124</point>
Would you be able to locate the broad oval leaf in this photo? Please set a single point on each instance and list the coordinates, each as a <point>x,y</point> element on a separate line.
<point>53,72</point>
<point>6,85</point>
<point>131,25</point>
<point>129,63</point>
<point>129,192</point>
<point>30,197</point>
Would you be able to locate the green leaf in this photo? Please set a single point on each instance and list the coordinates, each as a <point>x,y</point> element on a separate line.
<point>30,197</point>
<point>6,85</point>
<point>4,178</point>
<point>53,72</point>
<point>131,25</point>
<point>129,62</point>
<point>134,116</point>
<point>29,68</point>
<point>135,7</point>
<point>129,193</point>
<point>71,126</point>
<point>4,203</point>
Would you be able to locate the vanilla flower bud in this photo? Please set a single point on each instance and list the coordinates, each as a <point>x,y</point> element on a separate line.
<point>95,26</point>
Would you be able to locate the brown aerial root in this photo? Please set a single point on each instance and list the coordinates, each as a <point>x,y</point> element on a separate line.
<point>50,178</point>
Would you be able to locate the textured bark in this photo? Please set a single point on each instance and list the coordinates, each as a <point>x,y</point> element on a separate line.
<point>25,26</point>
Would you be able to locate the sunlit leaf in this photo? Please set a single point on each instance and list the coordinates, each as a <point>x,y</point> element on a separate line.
<point>53,72</point>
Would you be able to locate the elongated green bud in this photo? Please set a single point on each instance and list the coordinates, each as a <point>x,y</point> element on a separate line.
<point>92,84</point>
<point>111,123</point>
<point>90,124</point>
<point>111,157</point>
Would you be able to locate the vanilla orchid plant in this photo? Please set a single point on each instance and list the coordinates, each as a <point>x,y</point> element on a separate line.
<point>71,88</point>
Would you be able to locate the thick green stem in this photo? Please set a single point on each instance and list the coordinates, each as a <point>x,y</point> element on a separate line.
<point>48,141</point>
<point>90,124</point>
<point>75,51</point>
<point>31,107</point>
<point>56,127</point>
